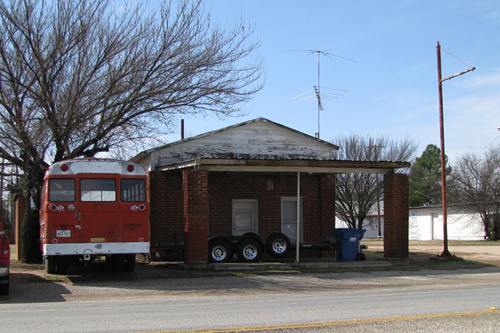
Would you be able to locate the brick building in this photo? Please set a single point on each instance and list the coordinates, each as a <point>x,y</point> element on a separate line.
<point>249,178</point>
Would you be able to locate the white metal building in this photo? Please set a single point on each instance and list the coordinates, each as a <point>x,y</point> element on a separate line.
<point>426,223</point>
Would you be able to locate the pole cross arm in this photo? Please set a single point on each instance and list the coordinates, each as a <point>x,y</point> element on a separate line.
<point>458,74</point>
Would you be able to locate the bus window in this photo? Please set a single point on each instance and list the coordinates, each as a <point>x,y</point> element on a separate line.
<point>97,190</point>
<point>62,190</point>
<point>132,190</point>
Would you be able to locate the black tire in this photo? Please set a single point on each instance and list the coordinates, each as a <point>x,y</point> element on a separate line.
<point>129,263</point>
<point>61,265</point>
<point>249,249</point>
<point>360,256</point>
<point>50,265</point>
<point>4,287</point>
<point>219,250</point>
<point>117,262</point>
<point>251,234</point>
<point>278,245</point>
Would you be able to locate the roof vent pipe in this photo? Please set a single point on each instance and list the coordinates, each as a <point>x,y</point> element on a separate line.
<point>182,129</point>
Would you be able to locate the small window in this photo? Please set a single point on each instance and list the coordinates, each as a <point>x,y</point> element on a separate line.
<point>97,190</point>
<point>62,190</point>
<point>132,190</point>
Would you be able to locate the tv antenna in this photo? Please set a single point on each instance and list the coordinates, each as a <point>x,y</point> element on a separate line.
<point>317,88</point>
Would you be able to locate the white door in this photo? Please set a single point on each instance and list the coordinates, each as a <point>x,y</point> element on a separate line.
<point>289,219</point>
<point>245,216</point>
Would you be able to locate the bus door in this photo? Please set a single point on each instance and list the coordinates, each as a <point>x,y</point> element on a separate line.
<point>98,209</point>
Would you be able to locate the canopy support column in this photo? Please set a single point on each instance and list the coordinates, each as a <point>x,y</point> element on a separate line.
<point>297,245</point>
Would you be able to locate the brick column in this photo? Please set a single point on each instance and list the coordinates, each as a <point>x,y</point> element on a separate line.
<point>327,200</point>
<point>396,215</point>
<point>196,216</point>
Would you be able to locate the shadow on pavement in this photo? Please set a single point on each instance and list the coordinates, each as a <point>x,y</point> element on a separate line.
<point>169,278</point>
<point>32,288</point>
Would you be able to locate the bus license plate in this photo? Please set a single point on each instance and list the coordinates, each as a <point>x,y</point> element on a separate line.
<point>63,233</point>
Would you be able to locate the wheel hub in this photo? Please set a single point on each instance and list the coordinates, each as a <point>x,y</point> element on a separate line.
<point>250,252</point>
<point>279,246</point>
<point>219,253</point>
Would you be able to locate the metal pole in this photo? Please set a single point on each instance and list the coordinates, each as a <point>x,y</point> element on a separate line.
<point>379,232</point>
<point>445,252</point>
<point>182,129</point>
<point>319,94</point>
<point>297,256</point>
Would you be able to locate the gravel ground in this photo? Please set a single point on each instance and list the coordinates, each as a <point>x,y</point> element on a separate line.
<point>488,251</point>
<point>480,322</point>
<point>29,283</point>
<point>28,287</point>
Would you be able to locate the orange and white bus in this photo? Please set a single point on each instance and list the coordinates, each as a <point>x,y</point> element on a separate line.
<point>92,208</point>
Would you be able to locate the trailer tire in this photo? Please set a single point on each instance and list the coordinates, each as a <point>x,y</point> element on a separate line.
<point>4,288</point>
<point>251,234</point>
<point>249,249</point>
<point>360,256</point>
<point>219,250</point>
<point>50,265</point>
<point>277,245</point>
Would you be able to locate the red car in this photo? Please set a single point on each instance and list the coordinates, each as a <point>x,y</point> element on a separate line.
<point>4,261</point>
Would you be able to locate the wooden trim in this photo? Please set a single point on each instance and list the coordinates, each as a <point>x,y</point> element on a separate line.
<point>307,166</point>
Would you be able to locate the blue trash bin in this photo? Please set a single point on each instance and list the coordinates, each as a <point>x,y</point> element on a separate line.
<point>348,243</point>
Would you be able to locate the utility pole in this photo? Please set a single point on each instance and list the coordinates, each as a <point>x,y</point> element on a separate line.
<point>445,252</point>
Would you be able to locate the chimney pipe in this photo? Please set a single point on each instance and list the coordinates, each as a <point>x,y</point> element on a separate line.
<point>182,129</point>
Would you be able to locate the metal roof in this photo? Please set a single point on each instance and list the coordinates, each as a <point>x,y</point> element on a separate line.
<point>260,119</point>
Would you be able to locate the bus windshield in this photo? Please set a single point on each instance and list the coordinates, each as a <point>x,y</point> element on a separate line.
<point>97,190</point>
<point>62,190</point>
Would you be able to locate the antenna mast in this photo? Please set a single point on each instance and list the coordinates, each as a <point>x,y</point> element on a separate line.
<point>317,88</point>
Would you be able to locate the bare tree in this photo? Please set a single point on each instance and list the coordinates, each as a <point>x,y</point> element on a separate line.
<point>476,184</point>
<point>80,77</point>
<point>356,193</point>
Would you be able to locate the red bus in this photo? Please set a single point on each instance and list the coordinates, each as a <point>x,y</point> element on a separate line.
<point>94,208</point>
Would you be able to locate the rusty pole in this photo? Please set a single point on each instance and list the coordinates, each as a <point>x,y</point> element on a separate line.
<point>446,252</point>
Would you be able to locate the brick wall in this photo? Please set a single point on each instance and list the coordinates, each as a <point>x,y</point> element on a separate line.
<point>327,194</point>
<point>396,215</point>
<point>168,205</point>
<point>167,224</point>
<point>317,192</point>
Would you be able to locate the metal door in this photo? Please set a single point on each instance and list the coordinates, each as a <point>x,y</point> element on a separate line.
<point>245,216</point>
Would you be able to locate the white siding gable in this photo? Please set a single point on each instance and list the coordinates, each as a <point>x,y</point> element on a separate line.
<point>259,139</point>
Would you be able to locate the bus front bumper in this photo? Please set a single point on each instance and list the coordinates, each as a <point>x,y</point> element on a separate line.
<point>95,248</point>
<point>4,273</point>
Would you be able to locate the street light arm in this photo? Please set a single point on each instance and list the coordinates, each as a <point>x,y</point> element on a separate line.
<point>459,74</point>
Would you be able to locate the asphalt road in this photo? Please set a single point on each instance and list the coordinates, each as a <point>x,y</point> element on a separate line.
<point>271,308</point>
